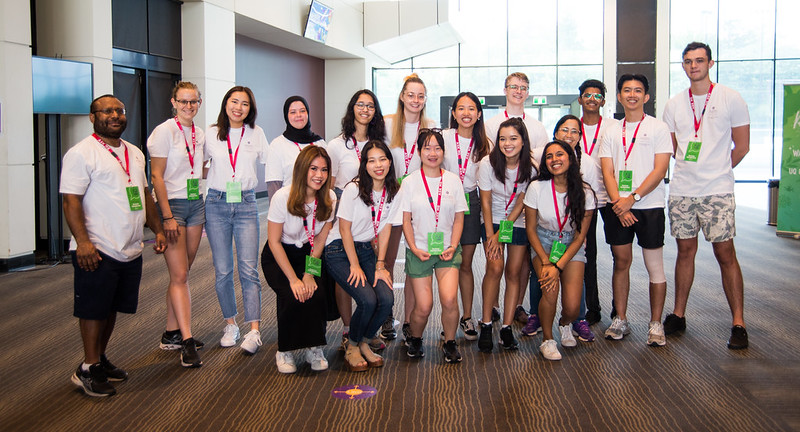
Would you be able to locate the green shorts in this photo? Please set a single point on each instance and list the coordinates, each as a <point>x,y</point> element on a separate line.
<point>420,269</point>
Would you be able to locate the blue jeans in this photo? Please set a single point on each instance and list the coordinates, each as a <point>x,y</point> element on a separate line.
<point>227,223</point>
<point>373,304</point>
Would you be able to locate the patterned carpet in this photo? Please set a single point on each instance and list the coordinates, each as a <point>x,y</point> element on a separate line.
<point>694,383</point>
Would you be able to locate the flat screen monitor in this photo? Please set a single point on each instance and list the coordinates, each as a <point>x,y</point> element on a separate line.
<point>61,86</point>
<point>319,21</point>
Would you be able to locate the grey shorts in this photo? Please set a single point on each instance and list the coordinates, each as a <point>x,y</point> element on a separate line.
<point>714,214</point>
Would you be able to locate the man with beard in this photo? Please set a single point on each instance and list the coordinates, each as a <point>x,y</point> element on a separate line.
<point>106,203</point>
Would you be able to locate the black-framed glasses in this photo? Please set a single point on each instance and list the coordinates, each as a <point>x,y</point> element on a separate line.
<point>368,107</point>
<point>597,96</point>
<point>187,102</point>
<point>518,87</point>
<point>430,130</point>
<point>109,111</point>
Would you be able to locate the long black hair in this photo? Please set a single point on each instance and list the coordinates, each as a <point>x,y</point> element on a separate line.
<point>365,180</point>
<point>376,129</point>
<point>479,137</point>
<point>498,160</point>
<point>223,123</point>
<point>576,187</point>
<point>560,122</point>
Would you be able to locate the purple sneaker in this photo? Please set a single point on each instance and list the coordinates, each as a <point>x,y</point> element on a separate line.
<point>582,331</point>
<point>533,325</point>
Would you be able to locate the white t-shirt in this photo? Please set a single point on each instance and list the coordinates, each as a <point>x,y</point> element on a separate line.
<point>415,201</point>
<point>344,159</point>
<point>451,158</point>
<point>653,138</point>
<point>293,230</point>
<point>252,151</point>
<point>540,197</point>
<point>89,170</point>
<point>410,133</point>
<point>167,141</point>
<point>353,209</point>
<point>588,135</point>
<point>536,131</point>
<point>501,191</point>
<point>712,173</point>
<point>281,157</point>
<point>590,171</point>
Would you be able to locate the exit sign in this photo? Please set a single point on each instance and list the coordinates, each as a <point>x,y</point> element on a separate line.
<point>540,100</point>
<point>482,100</point>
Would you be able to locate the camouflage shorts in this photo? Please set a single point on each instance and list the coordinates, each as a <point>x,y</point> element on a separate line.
<point>715,214</point>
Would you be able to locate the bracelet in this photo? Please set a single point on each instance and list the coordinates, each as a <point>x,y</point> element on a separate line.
<point>383,261</point>
<point>559,268</point>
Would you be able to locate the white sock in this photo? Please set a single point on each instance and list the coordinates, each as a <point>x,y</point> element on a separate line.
<point>85,367</point>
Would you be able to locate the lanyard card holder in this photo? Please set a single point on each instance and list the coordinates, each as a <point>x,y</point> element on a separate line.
<point>557,251</point>
<point>435,243</point>
<point>692,151</point>
<point>193,189</point>
<point>506,232</point>
<point>313,266</point>
<point>625,180</point>
<point>233,192</point>
<point>134,198</point>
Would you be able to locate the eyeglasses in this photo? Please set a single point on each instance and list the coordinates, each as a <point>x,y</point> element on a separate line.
<point>430,130</point>
<point>362,105</point>
<point>597,96</point>
<point>517,87</point>
<point>567,130</point>
<point>109,111</point>
<point>415,96</point>
<point>188,102</point>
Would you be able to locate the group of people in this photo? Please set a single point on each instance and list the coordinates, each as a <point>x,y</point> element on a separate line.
<point>338,212</point>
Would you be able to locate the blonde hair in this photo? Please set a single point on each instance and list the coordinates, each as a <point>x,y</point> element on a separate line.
<point>518,75</point>
<point>399,118</point>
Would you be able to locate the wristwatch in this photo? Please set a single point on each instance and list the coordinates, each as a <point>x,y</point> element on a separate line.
<point>636,197</point>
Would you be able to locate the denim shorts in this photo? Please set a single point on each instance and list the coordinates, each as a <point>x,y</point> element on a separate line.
<point>187,213</point>
<point>547,238</point>
<point>519,237</point>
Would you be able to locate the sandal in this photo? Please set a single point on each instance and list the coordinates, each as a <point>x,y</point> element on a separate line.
<point>376,344</point>
<point>373,360</point>
<point>353,359</point>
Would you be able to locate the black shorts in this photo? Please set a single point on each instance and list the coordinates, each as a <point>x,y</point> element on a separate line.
<point>649,229</point>
<point>112,287</point>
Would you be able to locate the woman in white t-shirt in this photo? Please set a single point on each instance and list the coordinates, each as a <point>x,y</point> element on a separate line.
<point>235,147</point>
<point>367,206</point>
<point>176,163</point>
<point>503,176</point>
<point>432,225</point>
<point>558,211</point>
<point>299,219</point>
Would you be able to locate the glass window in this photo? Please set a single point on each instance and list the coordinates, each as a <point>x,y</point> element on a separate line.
<point>785,72</point>
<point>690,21</point>
<point>438,82</point>
<point>487,81</point>
<point>542,78</point>
<point>483,27</point>
<point>785,31</point>
<point>580,26</point>
<point>746,30</point>
<point>387,84</point>
<point>532,32</point>
<point>571,77</point>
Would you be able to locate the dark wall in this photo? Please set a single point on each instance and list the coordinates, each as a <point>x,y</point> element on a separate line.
<point>636,45</point>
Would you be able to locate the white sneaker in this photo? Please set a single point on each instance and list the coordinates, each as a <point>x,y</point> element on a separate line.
<point>230,336</point>
<point>567,339</point>
<point>655,336</point>
<point>285,362</point>
<point>549,350</point>
<point>251,342</point>
<point>316,358</point>
<point>618,329</point>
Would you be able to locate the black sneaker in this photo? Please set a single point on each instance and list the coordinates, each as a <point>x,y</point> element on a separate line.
<point>189,356</point>
<point>485,343</point>
<point>387,329</point>
<point>495,314</point>
<point>593,317</point>
<point>113,373</point>
<point>94,381</point>
<point>414,347</point>
<point>738,338</point>
<point>171,340</point>
<point>674,324</point>
<point>450,350</point>
<point>406,333</point>
<point>507,339</point>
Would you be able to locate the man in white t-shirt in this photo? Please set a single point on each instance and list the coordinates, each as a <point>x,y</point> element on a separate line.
<point>516,91</point>
<point>106,203</point>
<point>704,119</point>
<point>634,156</point>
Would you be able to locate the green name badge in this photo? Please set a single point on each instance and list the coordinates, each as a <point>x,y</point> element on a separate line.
<point>193,189</point>
<point>466,195</point>
<point>692,151</point>
<point>400,180</point>
<point>557,251</point>
<point>625,180</point>
<point>233,191</point>
<point>313,266</point>
<point>506,231</point>
<point>134,199</point>
<point>435,243</point>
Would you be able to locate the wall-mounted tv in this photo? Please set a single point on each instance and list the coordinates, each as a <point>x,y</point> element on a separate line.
<point>319,21</point>
<point>61,86</point>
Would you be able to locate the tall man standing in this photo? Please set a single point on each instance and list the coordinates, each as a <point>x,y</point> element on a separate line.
<point>704,120</point>
<point>106,202</point>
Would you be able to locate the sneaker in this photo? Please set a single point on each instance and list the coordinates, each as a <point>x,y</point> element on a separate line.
<point>251,341</point>
<point>113,373</point>
<point>345,341</point>
<point>520,315</point>
<point>316,358</point>
<point>450,350</point>
<point>495,314</point>
<point>592,317</point>
<point>549,350</point>
<point>387,329</point>
<point>674,324</point>
<point>582,331</point>
<point>470,328</point>
<point>406,333</point>
<point>441,336</point>
<point>738,338</point>
<point>230,336</point>
<point>507,340</point>
<point>414,345</point>
<point>655,335</point>
<point>533,325</point>
<point>485,342</point>
<point>285,362</point>
<point>617,329</point>
<point>189,356</point>
<point>172,341</point>
<point>94,381</point>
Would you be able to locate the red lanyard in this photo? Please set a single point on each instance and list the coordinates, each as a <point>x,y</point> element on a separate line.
<point>523,114</point>
<point>355,146</point>
<point>633,141</point>
<point>125,167</point>
<point>298,145</point>
<point>408,156</point>
<point>430,197</point>
<point>377,222</point>
<point>586,149</point>
<point>462,171</point>
<point>194,143</point>
<point>234,156</point>
<point>513,192</point>
<point>311,234</point>
<point>558,215</point>
<point>702,113</point>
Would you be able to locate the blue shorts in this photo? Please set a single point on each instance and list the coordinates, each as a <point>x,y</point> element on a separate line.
<point>547,238</point>
<point>112,287</point>
<point>187,213</point>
